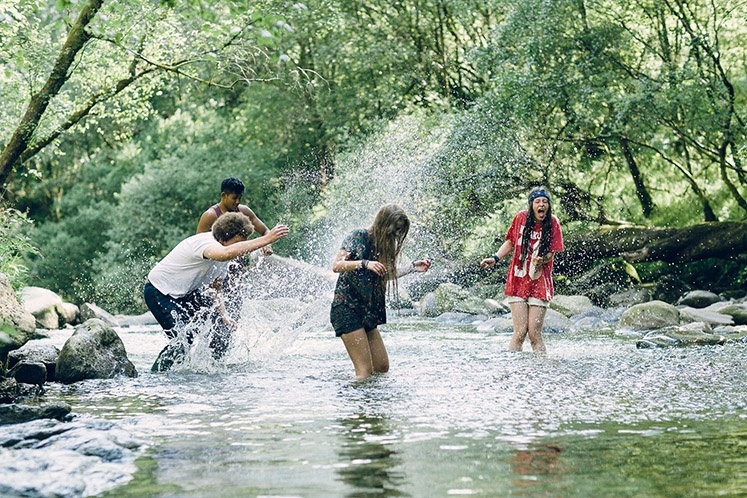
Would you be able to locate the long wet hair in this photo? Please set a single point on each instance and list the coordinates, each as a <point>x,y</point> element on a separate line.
<point>388,233</point>
<point>546,237</point>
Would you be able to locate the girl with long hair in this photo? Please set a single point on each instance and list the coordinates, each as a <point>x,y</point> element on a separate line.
<point>367,264</point>
<point>534,238</point>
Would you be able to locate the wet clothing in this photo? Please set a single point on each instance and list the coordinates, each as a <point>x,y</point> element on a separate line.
<point>178,289</point>
<point>523,279</point>
<point>360,296</point>
<point>185,270</point>
<point>218,212</point>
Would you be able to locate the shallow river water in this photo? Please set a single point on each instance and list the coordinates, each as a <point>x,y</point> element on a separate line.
<point>456,415</point>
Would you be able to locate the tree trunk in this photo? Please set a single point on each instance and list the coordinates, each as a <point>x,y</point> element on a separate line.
<point>19,142</point>
<point>724,240</point>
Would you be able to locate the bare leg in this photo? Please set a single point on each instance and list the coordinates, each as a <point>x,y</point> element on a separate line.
<point>359,351</point>
<point>379,355</point>
<point>520,317</point>
<point>536,320</point>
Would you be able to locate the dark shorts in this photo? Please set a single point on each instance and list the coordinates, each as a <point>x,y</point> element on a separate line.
<point>346,319</point>
<point>171,311</point>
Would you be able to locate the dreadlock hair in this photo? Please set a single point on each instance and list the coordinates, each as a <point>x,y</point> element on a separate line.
<point>388,232</point>
<point>546,237</point>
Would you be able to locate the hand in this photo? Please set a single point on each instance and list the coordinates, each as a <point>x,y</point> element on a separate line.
<point>230,323</point>
<point>267,250</point>
<point>422,265</point>
<point>538,261</point>
<point>488,262</point>
<point>277,233</point>
<point>377,268</point>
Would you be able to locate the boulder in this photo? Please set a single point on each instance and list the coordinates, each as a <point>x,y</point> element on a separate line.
<point>17,414</point>
<point>426,307</point>
<point>16,324</point>
<point>69,314</point>
<point>42,303</point>
<point>90,310</point>
<point>694,334</point>
<point>571,305</point>
<point>448,296</point>
<point>699,299</point>
<point>499,324</point>
<point>713,318</point>
<point>36,351</point>
<point>94,351</point>
<point>556,322</point>
<point>496,307</point>
<point>34,373</point>
<point>459,318</point>
<point>738,313</point>
<point>630,297</point>
<point>650,315</point>
<point>146,319</point>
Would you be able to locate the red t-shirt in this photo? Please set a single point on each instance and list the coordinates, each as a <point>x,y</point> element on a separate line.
<point>519,282</point>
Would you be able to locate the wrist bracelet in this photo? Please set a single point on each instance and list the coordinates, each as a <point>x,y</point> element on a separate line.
<point>496,258</point>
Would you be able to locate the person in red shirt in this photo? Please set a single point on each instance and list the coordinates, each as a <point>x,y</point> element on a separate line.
<point>534,238</point>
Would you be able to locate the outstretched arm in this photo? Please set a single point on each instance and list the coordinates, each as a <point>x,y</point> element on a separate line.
<point>419,266</point>
<point>503,251</point>
<point>236,249</point>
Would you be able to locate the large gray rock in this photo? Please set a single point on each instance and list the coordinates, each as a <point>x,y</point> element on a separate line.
<point>34,373</point>
<point>738,313</point>
<point>693,334</point>
<point>630,297</point>
<point>571,305</point>
<point>16,414</point>
<point>449,295</point>
<point>16,324</point>
<point>94,351</point>
<point>556,322</point>
<point>699,299</point>
<point>427,305</point>
<point>90,310</point>
<point>36,351</point>
<point>712,318</point>
<point>650,315</point>
<point>42,303</point>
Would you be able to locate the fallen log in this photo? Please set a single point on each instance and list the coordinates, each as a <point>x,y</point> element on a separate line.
<point>722,240</point>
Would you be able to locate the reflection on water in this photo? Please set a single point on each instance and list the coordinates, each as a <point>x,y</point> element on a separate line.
<point>368,462</point>
<point>535,463</point>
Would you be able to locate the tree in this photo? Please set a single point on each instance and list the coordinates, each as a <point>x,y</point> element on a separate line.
<point>112,58</point>
<point>637,97</point>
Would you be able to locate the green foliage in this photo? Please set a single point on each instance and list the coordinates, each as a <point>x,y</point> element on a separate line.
<point>68,249</point>
<point>328,109</point>
<point>15,245</point>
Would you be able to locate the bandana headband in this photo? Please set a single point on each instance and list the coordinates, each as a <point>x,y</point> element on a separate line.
<point>539,193</point>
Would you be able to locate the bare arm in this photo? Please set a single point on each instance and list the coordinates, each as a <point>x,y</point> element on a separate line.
<point>206,221</point>
<point>506,248</point>
<point>342,263</point>
<point>259,226</point>
<point>420,266</point>
<point>236,249</point>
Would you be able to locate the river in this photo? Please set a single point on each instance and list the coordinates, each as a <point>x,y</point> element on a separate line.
<point>457,414</point>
